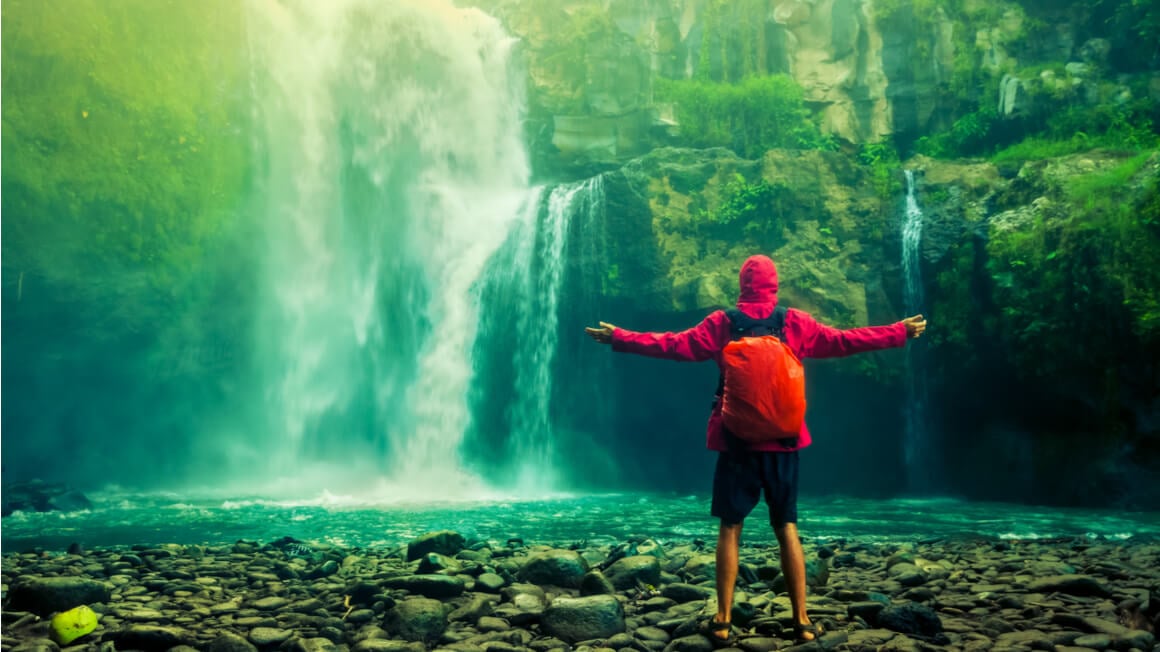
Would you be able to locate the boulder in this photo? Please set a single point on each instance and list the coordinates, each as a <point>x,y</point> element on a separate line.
<point>444,542</point>
<point>581,619</point>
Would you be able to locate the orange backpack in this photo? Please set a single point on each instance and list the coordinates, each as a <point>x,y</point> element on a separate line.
<point>762,387</point>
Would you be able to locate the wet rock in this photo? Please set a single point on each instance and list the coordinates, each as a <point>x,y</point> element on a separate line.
<point>1070,584</point>
<point>387,645</point>
<point>417,619</point>
<point>1090,624</point>
<point>910,618</point>
<point>434,562</point>
<point>489,582</point>
<point>595,583</point>
<point>759,644</point>
<point>580,619</point>
<point>555,567</point>
<point>230,642</point>
<point>149,638</point>
<point>269,636</point>
<point>867,610</point>
<point>1093,641</point>
<point>525,608</point>
<point>490,624</point>
<point>37,645</point>
<point>626,573</point>
<point>272,603</point>
<point>687,592</point>
<point>1137,639</point>
<point>1031,638</point>
<point>46,595</point>
<point>477,607</point>
<point>315,644</point>
<point>431,586</point>
<point>701,566</point>
<point>444,542</point>
<point>695,643</point>
<point>907,574</point>
<point>649,633</point>
<point>656,604</point>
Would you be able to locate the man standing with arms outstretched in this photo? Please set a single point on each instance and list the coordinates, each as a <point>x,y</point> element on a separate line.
<point>746,469</point>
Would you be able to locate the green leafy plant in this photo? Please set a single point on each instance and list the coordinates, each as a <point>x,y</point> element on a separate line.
<point>756,115</point>
<point>884,164</point>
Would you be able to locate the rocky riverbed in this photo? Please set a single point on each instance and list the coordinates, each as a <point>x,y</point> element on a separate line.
<point>442,591</point>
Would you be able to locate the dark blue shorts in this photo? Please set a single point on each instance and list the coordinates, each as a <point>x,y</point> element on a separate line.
<point>742,476</point>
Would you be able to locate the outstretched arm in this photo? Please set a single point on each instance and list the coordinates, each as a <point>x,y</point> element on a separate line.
<point>820,341</point>
<point>695,344</point>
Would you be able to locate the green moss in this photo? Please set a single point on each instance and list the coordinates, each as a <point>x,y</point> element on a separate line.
<point>923,11</point>
<point>751,117</point>
<point>1101,193</point>
<point>121,129</point>
<point>1088,259</point>
<point>884,168</point>
<point>125,164</point>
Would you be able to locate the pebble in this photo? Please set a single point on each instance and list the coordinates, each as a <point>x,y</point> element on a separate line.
<point>1064,595</point>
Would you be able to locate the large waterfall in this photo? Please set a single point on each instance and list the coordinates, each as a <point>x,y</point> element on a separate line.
<point>393,169</point>
<point>920,459</point>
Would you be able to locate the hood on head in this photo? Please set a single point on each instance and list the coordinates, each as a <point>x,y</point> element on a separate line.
<point>758,280</point>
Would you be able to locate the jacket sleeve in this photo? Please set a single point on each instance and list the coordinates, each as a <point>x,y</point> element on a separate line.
<point>816,340</point>
<point>701,342</point>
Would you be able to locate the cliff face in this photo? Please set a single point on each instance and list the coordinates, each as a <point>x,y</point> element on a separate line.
<point>869,69</point>
<point>707,210</point>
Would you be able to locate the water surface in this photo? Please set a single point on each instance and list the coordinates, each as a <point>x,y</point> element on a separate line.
<point>124,519</point>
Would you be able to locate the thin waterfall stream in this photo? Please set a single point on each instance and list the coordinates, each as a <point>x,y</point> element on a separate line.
<point>920,460</point>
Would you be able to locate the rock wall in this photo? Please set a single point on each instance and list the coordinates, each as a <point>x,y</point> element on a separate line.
<point>812,211</point>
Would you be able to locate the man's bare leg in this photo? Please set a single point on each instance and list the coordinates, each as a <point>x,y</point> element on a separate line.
<point>793,566</point>
<point>728,546</point>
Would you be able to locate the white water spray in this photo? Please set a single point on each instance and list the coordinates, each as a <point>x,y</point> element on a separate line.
<point>920,460</point>
<point>394,169</point>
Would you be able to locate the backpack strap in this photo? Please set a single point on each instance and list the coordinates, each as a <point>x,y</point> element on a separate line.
<point>741,324</point>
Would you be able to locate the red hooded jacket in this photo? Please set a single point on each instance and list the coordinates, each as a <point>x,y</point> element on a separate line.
<point>805,336</point>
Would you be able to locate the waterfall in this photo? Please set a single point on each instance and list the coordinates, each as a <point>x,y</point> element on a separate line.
<point>393,170</point>
<point>522,331</point>
<point>532,429</point>
<point>920,460</point>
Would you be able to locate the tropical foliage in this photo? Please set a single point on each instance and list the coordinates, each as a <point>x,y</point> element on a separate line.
<point>750,117</point>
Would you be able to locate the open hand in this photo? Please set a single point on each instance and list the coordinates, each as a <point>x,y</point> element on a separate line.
<point>603,334</point>
<point>915,325</point>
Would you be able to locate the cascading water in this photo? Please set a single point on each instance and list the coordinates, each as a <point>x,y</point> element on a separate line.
<point>920,459</point>
<point>521,376</point>
<point>538,332</point>
<point>394,170</point>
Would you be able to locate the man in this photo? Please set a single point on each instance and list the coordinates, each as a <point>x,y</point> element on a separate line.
<point>743,469</point>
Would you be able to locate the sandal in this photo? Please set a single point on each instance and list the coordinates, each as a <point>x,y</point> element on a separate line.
<point>800,629</point>
<point>710,627</point>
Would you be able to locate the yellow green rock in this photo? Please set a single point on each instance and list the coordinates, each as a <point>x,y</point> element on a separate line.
<point>68,626</point>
